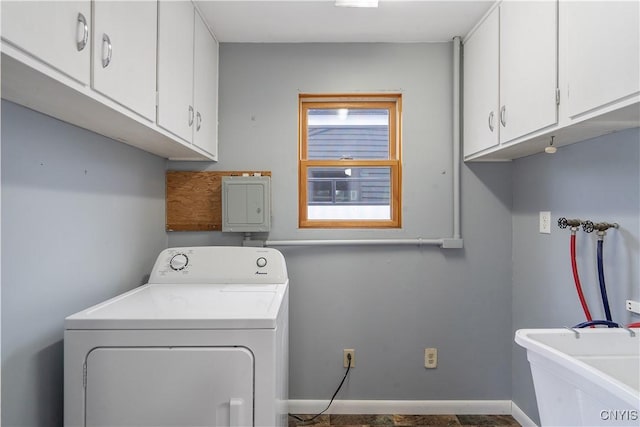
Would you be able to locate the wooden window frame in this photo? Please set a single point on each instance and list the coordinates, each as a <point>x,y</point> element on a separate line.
<point>391,102</point>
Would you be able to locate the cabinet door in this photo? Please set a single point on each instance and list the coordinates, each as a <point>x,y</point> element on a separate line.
<point>528,67</point>
<point>124,53</point>
<point>57,33</point>
<point>175,68</point>
<point>602,53</point>
<point>481,85</point>
<point>205,91</point>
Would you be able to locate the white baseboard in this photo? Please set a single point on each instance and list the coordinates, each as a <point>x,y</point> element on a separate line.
<point>521,417</point>
<point>404,407</point>
<point>414,407</point>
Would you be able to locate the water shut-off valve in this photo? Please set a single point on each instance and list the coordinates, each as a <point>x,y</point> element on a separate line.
<point>573,223</point>
<point>587,226</point>
<point>600,227</point>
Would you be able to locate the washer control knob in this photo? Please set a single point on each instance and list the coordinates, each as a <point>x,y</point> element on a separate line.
<point>261,262</point>
<point>179,262</point>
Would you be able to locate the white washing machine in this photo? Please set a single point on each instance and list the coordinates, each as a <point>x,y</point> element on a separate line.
<point>204,343</point>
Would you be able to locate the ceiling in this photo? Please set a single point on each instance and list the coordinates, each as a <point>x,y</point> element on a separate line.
<point>315,21</point>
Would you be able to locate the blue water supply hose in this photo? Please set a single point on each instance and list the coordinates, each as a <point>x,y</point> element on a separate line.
<point>603,288</point>
<point>592,323</point>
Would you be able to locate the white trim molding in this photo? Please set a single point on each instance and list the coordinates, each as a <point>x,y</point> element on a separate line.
<point>404,407</point>
<point>522,418</point>
<point>414,407</point>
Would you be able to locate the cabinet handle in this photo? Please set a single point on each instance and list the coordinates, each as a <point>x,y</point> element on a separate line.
<point>199,121</point>
<point>106,59</point>
<point>503,115</point>
<point>85,32</point>
<point>491,116</point>
<point>190,115</point>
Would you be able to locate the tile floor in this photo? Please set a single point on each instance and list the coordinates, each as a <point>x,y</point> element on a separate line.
<point>406,420</point>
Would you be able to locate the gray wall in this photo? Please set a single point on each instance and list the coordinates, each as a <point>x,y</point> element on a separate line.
<point>596,180</point>
<point>388,303</point>
<point>82,220</point>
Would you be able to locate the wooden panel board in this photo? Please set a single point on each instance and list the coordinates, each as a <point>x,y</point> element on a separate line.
<point>194,199</point>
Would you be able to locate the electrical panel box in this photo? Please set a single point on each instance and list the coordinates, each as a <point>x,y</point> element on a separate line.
<point>246,203</point>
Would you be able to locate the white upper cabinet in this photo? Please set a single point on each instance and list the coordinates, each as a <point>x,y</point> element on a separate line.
<point>481,86</point>
<point>175,68</point>
<point>94,64</point>
<point>56,32</point>
<point>510,75</point>
<point>205,89</point>
<point>601,53</point>
<point>567,69</point>
<point>124,53</point>
<point>528,67</point>
<point>187,76</point>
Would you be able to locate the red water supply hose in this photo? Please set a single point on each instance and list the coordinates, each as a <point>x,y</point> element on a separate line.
<point>634,325</point>
<point>576,278</point>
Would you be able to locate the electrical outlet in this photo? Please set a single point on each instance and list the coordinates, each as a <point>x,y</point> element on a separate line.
<point>430,358</point>
<point>545,222</point>
<point>345,360</point>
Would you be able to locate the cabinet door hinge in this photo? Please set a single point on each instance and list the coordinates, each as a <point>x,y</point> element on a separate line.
<point>557,96</point>
<point>84,375</point>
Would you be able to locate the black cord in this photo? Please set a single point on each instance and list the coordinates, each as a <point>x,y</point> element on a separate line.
<point>332,397</point>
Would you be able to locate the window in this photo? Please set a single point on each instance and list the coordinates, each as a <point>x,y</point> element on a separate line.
<point>349,161</point>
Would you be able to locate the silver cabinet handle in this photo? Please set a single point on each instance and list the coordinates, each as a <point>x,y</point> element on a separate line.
<point>106,59</point>
<point>190,115</point>
<point>80,44</point>
<point>491,116</point>
<point>199,121</point>
<point>503,115</point>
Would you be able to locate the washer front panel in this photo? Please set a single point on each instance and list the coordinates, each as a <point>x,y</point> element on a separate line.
<point>269,356</point>
<point>169,386</point>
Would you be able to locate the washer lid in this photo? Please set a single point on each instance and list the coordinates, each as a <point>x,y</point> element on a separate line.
<point>186,306</point>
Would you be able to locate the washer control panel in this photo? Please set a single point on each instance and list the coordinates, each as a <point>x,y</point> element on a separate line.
<point>219,264</point>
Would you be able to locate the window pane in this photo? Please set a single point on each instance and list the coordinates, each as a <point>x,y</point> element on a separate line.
<point>342,133</point>
<point>352,193</point>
